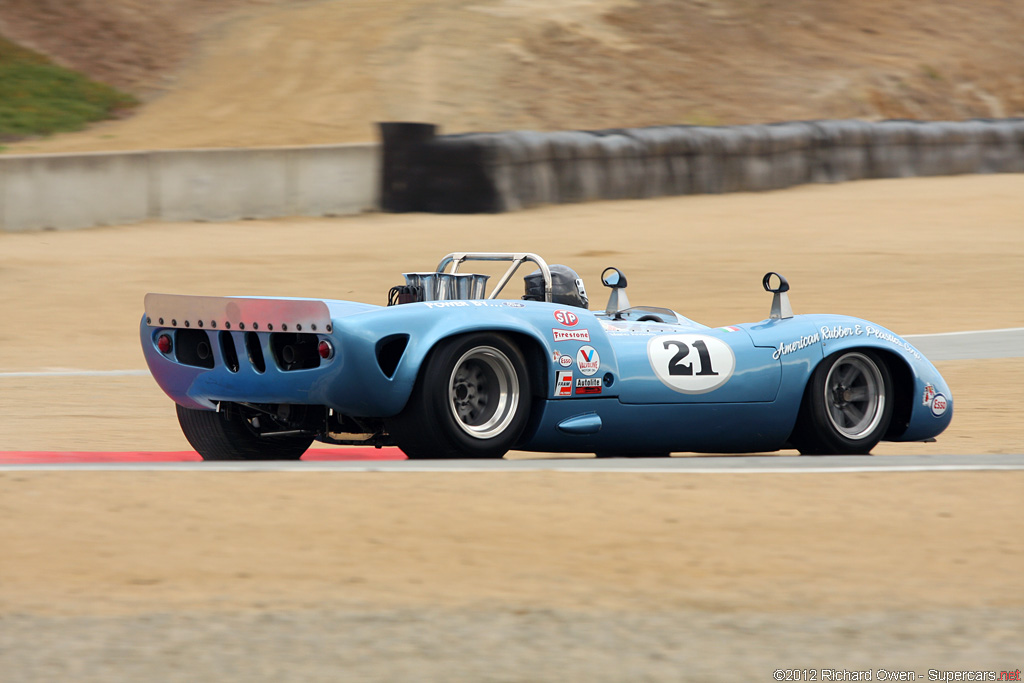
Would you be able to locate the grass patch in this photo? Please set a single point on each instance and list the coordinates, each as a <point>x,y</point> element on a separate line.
<point>37,97</point>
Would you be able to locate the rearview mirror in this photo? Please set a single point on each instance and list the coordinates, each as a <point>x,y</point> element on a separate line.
<point>613,277</point>
<point>779,287</point>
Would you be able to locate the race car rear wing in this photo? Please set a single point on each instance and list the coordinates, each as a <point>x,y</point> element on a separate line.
<point>237,313</point>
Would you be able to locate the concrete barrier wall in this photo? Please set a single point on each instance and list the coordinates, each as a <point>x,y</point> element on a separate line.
<point>82,190</point>
<point>487,172</point>
<point>508,171</point>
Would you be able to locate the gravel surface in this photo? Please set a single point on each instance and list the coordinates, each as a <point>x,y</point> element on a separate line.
<point>503,644</point>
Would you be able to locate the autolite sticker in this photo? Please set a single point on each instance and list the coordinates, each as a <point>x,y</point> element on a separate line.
<point>563,384</point>
<point>588,360</point>
<point>588,385</point>
<point>571,335</point>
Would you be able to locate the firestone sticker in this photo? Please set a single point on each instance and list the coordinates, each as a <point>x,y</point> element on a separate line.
<point>571,335</point>
<point>563,384</point>
<point>588,360</point>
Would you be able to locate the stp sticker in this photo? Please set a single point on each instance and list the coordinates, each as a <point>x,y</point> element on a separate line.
<point>571,335</point>
<point>588,360</point>
<point>691,363</point>
<point>565,361</point>
<point>563,384</point>
<point>588,385</point>
<point>567,318</point>
<point>939,405</point>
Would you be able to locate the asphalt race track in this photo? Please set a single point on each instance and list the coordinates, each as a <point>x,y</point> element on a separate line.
<point>1005,343</point>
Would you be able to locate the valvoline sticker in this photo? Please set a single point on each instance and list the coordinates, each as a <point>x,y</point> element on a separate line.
<point>588,360</point>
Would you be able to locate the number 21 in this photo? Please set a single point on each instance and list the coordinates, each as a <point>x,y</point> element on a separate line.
<point>677,367</point>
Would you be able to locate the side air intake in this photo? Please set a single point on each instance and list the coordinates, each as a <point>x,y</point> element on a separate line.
<point>390,350</point>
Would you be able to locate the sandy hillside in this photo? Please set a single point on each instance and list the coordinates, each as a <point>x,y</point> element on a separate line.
<point>273,72</point>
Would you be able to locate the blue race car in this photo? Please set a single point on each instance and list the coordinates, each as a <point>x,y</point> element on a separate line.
<point>445,372</point>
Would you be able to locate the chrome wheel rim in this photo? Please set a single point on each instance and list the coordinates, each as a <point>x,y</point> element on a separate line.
<point>483,392</point>
<point>855,396</point>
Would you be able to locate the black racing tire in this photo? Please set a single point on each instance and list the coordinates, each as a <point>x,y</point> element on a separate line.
<point>228,435</point>
<point>847,405</point>
<point>471,400</point>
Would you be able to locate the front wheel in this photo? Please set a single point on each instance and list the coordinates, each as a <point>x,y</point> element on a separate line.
<point>472,400</point>
<point>847,405</point>
<point>234,434</point>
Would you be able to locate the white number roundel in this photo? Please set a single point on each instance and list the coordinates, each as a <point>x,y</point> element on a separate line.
<point>691,363</point>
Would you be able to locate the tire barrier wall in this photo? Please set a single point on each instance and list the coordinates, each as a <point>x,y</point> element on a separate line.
<point>63,191</point>
<point>495,172</point>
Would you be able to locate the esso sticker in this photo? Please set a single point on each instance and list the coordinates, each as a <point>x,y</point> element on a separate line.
<point>565,360</point>
<point>567,318</point>
<point>588,360</point>
<point>939,405</point>
<point>691,363</point>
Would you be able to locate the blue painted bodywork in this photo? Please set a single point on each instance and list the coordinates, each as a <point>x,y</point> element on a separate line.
<point>757,373</point>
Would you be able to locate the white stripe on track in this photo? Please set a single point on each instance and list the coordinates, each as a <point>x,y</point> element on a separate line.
<point>76,373</point>
<point>950,334</point>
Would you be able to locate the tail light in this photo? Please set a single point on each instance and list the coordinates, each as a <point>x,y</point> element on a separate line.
<point>163,343</point>
<point>325,349</point>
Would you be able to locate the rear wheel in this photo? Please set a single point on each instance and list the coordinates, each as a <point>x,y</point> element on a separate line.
<point>472,400</point>
<point>847,406</point>
<point>235,433</point>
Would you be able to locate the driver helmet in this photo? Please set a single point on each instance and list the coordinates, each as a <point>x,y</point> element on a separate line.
<point>566,287</point>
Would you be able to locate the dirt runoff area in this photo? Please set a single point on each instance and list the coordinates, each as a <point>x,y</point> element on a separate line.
<point>518,576</point>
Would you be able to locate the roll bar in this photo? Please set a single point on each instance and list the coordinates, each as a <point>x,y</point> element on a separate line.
<point>517,258</point>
